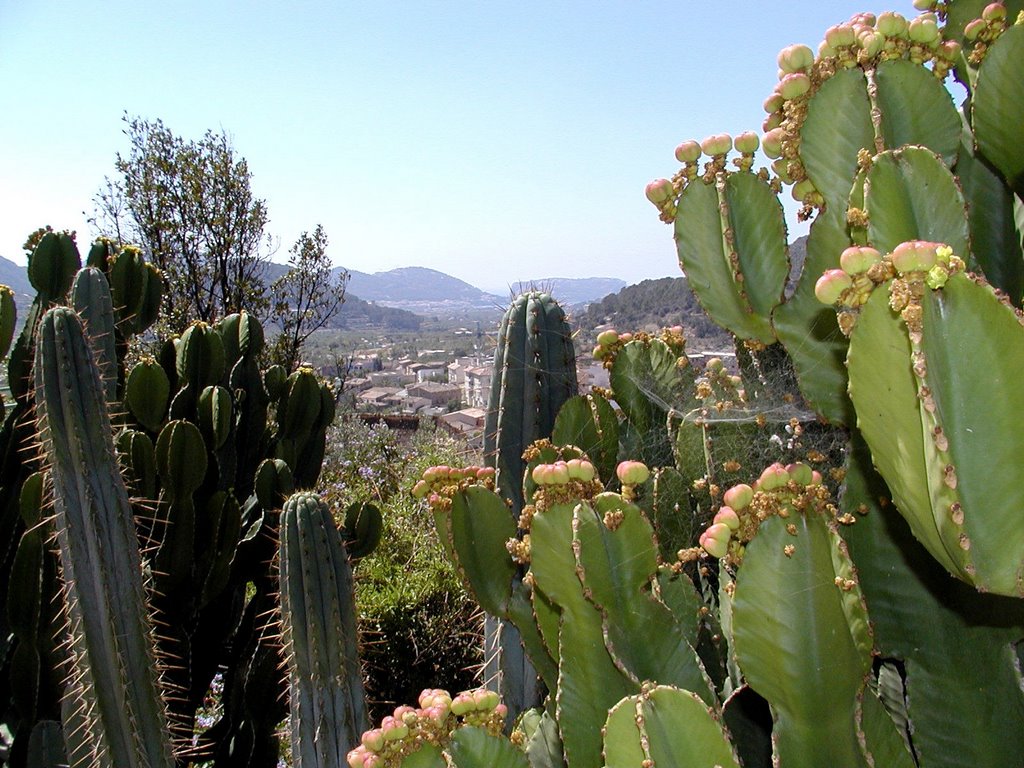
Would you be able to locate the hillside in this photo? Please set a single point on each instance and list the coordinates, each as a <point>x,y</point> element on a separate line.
<point>655,304</point>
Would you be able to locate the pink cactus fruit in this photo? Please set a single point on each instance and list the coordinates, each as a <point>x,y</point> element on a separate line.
<point>718,144</point>
<point>858,259</point>
<point>581,469</point>
<point>773,477</point>
<point>688,152</point>
<point>973,29</point>
<point>795,58</point>
<point>793,86</point>
<point>831,285</point>
<point>660,191</point>
<point>994,12</point>
<point>841,36</point>
<point>914,256</point>
<point>771,142</point>
<point>800,473</point>
<point>632,472</point>
<point>728,516</point>
<point>739,496</point>
<point>891,24</point>
<point>715,540</point>
<point>607,338</point>
<point>774,103</point>
<point>924,31</point>
<point>747,142</point>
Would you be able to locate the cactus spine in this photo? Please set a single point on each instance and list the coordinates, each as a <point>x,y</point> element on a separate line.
<point>115,673</point>
<point>328,708</point>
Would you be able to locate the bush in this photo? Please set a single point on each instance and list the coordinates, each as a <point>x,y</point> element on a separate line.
<point>418,623</point>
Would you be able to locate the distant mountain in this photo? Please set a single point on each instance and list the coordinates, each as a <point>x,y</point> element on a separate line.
<point>571,291</point>
<point>405,285</point>
<point>14,276</point>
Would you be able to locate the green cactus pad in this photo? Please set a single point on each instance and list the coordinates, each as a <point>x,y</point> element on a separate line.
<point>962,511</point>
<point>829,146</point>
<point>996,247</point>
<point>731,241</point>
<point>589,422</point>
<point>811,336</point>
<point>146,393</point>
<point>998,106</point>
<point>617,560</point>
<point>589,682</point>
<point>916,108</point>
<point>789,609</point>
<point>954,645</point>
<point>665,726</point>
<point>476,748</point>
<point>909,194</point>
<point>478,525</point>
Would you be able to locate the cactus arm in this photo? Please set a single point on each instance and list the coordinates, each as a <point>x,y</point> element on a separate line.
<point>328,709</point>
<point>829,147</point>
<point>956,646</point>
<point>995,241</point>
<point>665,726</point>
<point>589,682</point>
<point>916,109</point>
<point>998,107</point>
<point>90,296</point>
<point>109,624</point>
<point>932,447</point>
<point>616,561</point>
<point>909,194</point>
<point>789,614</point>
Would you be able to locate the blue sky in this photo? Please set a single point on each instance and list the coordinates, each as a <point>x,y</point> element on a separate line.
<point>495,141</point>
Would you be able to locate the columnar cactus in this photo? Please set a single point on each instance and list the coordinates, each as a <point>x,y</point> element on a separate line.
<point>318,620</point>
<point>113,681</point>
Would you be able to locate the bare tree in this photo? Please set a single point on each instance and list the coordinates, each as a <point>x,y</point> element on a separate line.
<point>306,297</point>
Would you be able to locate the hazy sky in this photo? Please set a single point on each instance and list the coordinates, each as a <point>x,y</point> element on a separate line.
<point>495,141</point>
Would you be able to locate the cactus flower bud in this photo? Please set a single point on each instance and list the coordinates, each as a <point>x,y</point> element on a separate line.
<point>950,50</point>
<point>632,472</point>
<point>558,473</point>
<point>774,103</point>
<point>392,729</point>
<point>485,472</point>
<point>739,496</point>
<point>773,477</point>
<point>914,256</point>
<point>891,24</point>
<point>356,757</point>
<point>660,191</point>
<point>800,473</point>
<point>858,259</point>
<point>373,740</point>
<point>831,285</point>
<point>781,168</point>
<point>581,469</point>
<point>871,43</point>
<point>923,5</point>
<point>421,489</point>
<point>728,516</point>
<point>462,704</point>
<point>924,31</point>
<point>718,144</point>
<point>795,58</point>
<point>625,338</point>
<point>841,36</point>
<point>793,86</point>
<point>747,142</point>
<point>688,152</point>
<point>771,142</point>
<point>715,540</point>
<point>607,338</point>
<point>994,12</point>
<point>974,29</point>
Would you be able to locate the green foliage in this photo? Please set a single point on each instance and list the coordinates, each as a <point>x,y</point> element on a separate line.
<point>417,621</point>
